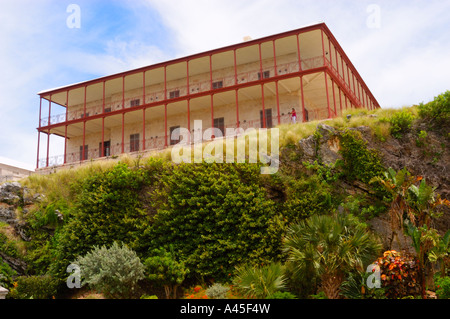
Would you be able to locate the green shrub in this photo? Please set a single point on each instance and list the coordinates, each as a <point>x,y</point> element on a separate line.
<point>305,197</point>
<point>162,269</point>
<point>437,112</point>
<point>360,162</point>
<point>443,287</point>
<point>34,287</point>
<point>401,123</point>
<point>217,291</point>
<point>216,216</point>
<point>113,271</point>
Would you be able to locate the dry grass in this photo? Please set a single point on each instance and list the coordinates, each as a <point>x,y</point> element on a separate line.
<point>377,120</point>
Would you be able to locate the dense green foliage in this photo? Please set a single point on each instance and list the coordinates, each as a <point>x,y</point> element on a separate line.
<point>443,287</point>
<point>34,287</point>
<point>215,216</point>
<point>437,112</point>
<point>368,163</point>
<point>107,210</point>
<point>298,233</point>
<point>401,123</point>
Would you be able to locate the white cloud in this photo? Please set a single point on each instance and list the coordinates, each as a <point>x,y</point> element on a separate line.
<point>403,62</point>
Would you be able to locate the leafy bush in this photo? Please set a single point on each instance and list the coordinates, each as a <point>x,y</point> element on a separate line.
<point>34,287</point>
<point>399,275</point>
<point>443,287</point>
<point>437,112</point>
<point>216,216</point>
<point>113,271</point>
<point>260,282</point>
<point>401,123</point>
<point>360,162</point>
<point>305,197</point>
<point>162,269</point>
<point>217,291</point>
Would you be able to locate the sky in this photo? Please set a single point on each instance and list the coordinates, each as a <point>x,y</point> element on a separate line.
<point>399,47</point>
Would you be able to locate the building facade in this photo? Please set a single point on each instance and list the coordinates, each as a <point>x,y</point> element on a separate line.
<point>12,173</point>
<point>255,83</point>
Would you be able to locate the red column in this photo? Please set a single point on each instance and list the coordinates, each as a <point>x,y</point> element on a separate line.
<point>303,99</point>
<point>48,131</point>
<point>165,125</point>
<point>39,132</point>
<point>263,124</point>
<point>236,90</point>
<point>278,102</point>
<point>143,129</point>
<point>123,133</point>
<point>123,92</point>
<point>328,96</point>
<point>143,111</point>
<point>211,87</point>
<point>40,110</point>
<point>123,115</point>
<point>188,104</point>
<point>102,146</point>
<point>83,152</point>
<point>323,49</point>
<point>212,111</point>
<point>189,120</point>
<point>38,146</point>
<point>235,68</point>
<point>165,82</point>
<point>275,58</point>
<point>48,146</point>
<point>299,55</point>
<point>334,97</point>
<point>331,56</point>
<point>65,131</point>
<point>237,107</point>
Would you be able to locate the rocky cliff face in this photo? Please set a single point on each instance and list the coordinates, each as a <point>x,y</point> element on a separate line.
<point>427,157</point>
<point>14,201</point>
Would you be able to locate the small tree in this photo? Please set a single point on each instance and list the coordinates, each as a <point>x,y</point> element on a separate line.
<point>162,269</point>
<point>114,271</point>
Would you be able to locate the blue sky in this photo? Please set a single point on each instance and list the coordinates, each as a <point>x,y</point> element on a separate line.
<point>401,48</point>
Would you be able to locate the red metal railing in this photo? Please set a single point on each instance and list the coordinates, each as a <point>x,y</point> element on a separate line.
<point>180,91</point>
<point>156,143</point>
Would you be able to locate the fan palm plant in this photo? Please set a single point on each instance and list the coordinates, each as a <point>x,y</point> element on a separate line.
<point>329,247</point>
<point>260,282</point>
